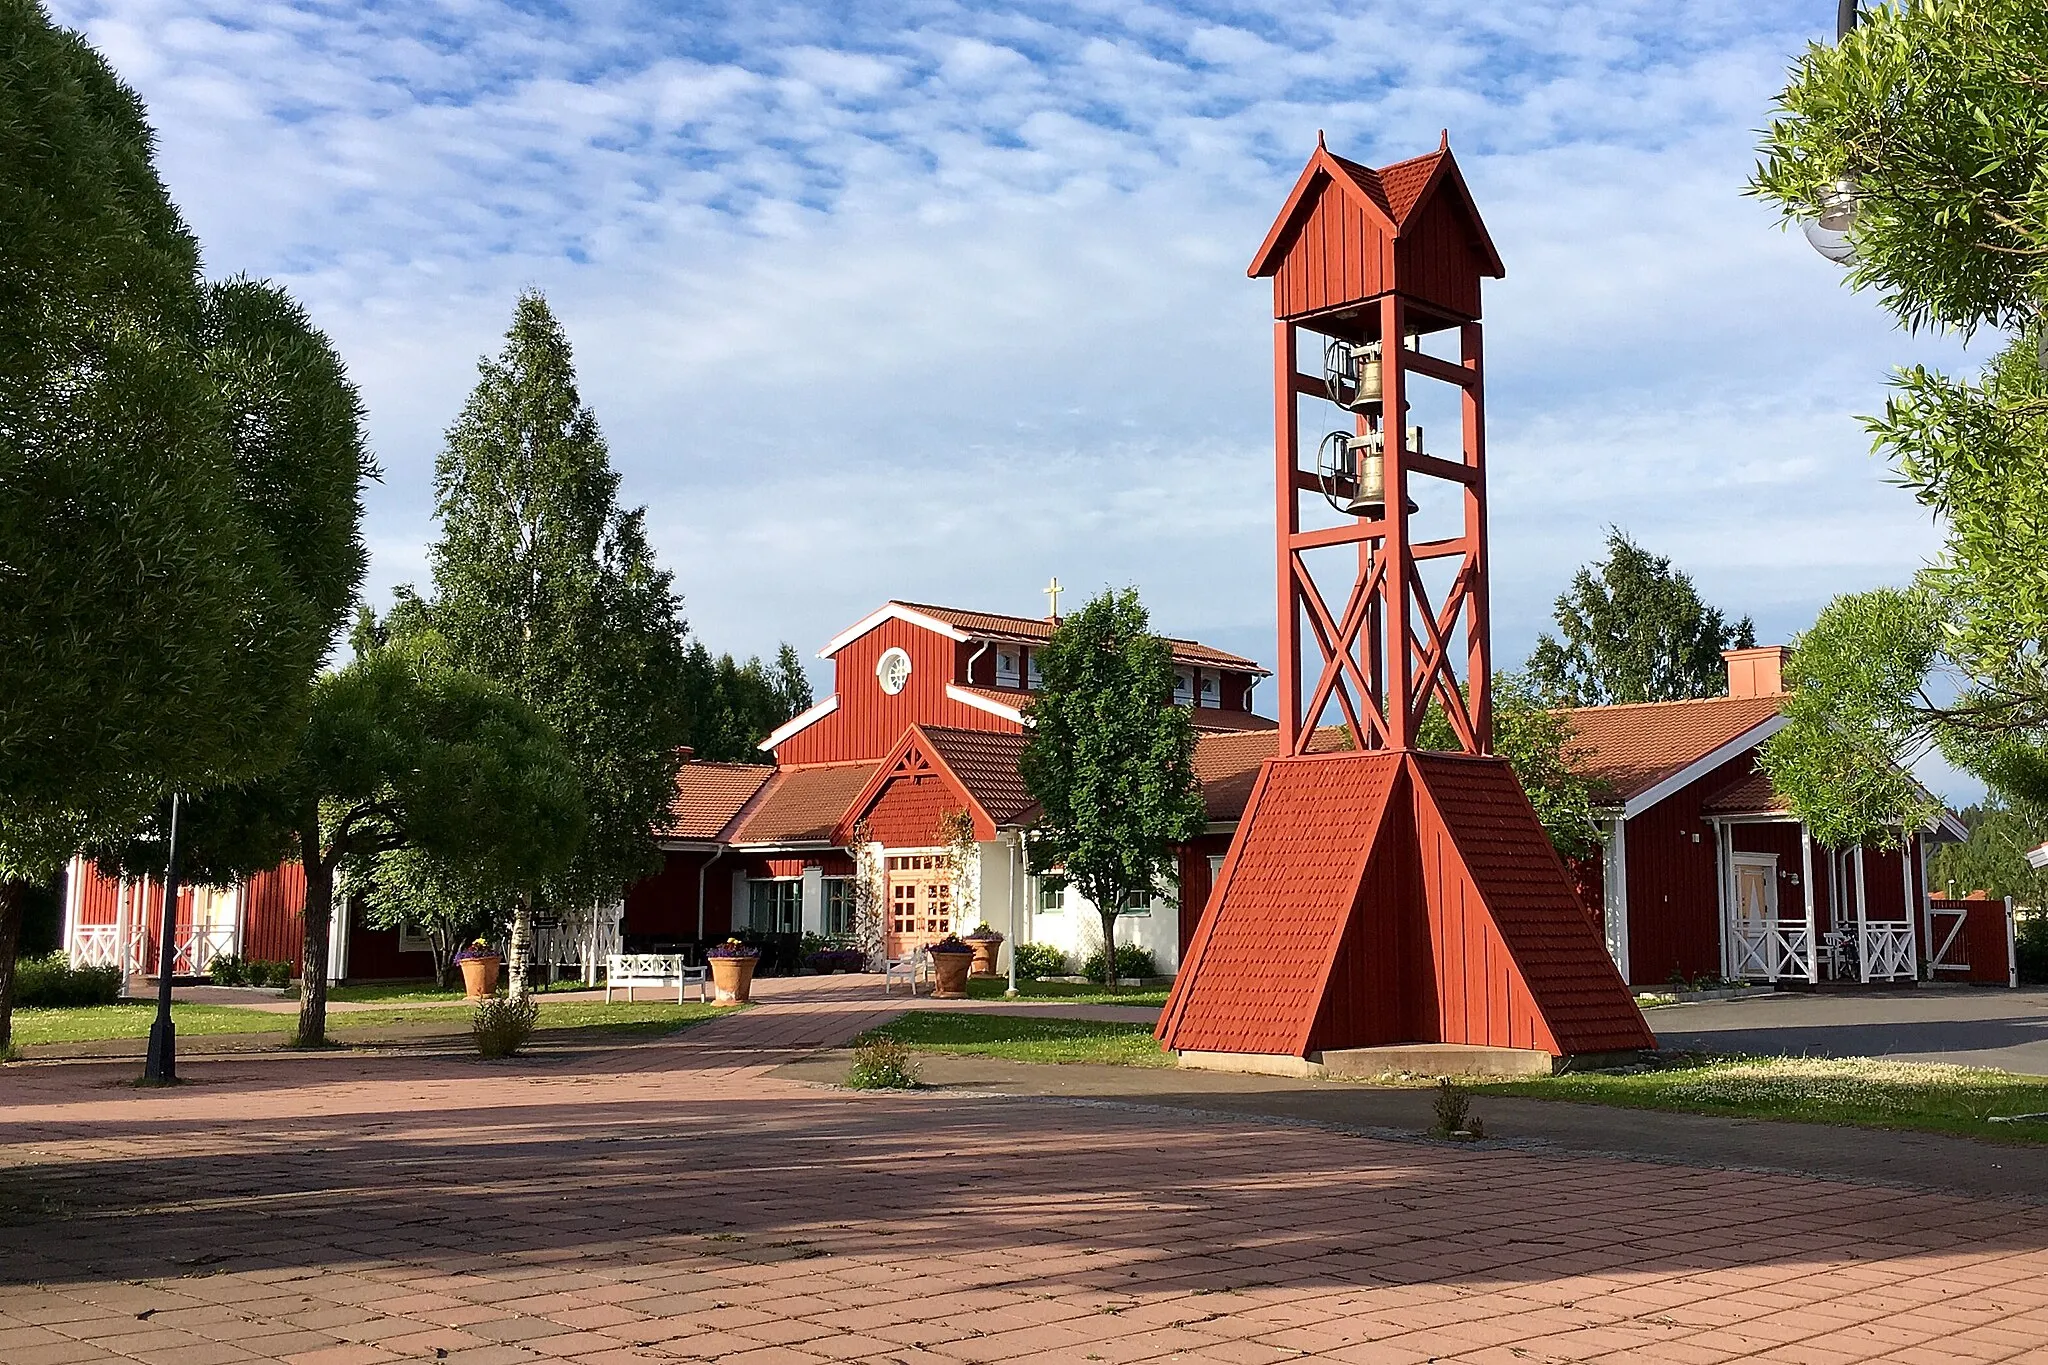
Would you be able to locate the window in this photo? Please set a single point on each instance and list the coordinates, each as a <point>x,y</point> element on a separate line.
<point>892,670</point>
<point>1183,686</point>
<point>776,907</point>
<point>413,939</point>
<point>1137,903</point>
<point>1215,868</point>
<point>1009,671</point>
<point>1034,679</point>
<point>1052,896</point>
<point>839,907</point>
<point>1211,695</point>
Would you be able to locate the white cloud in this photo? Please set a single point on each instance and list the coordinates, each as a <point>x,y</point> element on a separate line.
<point>929,300</point>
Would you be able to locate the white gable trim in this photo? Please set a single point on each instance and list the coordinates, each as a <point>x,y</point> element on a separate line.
<point>891,611</point>
<point>1700,767</point>
<point>802,722</point>
<point>955,692</point>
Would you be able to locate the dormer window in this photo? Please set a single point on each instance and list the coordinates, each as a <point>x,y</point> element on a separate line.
<point>1183,687</point>
<point>1009,666</point>
<point>1212,693</point>
<point>1033,679</point>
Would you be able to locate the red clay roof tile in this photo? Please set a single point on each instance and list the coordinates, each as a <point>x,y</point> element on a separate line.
<point>1030,630</point>
<point>801,805</point>
<point>1627,750</point>
<point>708,795</point>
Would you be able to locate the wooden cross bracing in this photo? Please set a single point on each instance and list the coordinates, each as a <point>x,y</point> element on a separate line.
<point>1392,651</point>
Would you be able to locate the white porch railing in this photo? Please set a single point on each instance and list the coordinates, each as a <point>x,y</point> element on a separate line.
<point>1774,949</point>
<point>582,943</point>
<point>99,945</point>
<point>1888,949</point>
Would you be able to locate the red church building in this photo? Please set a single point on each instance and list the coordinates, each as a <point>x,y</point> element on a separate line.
<point>923,727</point>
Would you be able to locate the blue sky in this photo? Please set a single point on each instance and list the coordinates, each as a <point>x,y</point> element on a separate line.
<point>934,300</point>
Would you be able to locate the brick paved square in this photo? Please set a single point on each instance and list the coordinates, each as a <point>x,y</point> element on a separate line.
<point>672,1201</point>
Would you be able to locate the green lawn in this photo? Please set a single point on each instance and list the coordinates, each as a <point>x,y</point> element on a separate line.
<point>1860,1092</point>
<point>132,1020</point>
<point>1027,1040</point>
<point>414,992</point>
<point>1072,993</point>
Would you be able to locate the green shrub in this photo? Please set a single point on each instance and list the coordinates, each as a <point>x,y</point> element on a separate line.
<point>278,974</point>
<point>1040,959</point>
<point>501,1025</point>
<point>2031,939</point>
<point>53,983</point>
<point>1131,960</point>
<point>228,969</point>
<point>882,1064</point>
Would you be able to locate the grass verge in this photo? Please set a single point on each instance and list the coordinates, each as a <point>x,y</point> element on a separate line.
<point>1026,1040</point>
<point>99,1023</point>
<point>1067,992</point>
<point>1856,1091</point>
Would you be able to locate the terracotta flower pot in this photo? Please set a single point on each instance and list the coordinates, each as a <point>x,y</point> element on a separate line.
<point>985,950</point>
<point>949,975</point>
<point>732,979</point>
<point>480,976</point>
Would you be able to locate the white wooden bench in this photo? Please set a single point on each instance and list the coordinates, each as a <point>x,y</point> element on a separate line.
<point>625,971</point>
<point>907,970</point>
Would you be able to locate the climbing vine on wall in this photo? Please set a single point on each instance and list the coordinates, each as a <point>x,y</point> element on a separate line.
<point>963,859</point>
<point>867,897</point>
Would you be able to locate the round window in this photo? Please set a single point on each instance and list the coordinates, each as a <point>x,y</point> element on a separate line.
<point>893,670</point>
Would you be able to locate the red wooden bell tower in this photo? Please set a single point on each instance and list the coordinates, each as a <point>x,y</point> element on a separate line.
<point>1377,893</point>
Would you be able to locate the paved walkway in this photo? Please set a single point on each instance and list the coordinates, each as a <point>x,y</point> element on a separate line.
<point>672,1201</point>
<point>1974,1026</point>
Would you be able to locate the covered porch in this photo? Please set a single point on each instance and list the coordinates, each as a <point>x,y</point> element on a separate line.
<point>1794,910</point>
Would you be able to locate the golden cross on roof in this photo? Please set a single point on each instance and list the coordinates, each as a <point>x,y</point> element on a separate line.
<point>1053,590</point>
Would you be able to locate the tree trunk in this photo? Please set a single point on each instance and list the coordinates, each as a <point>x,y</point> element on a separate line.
<point>13,899</point>
<point>516,953</point>
<point>318,915</point>
<point>1109,943</point>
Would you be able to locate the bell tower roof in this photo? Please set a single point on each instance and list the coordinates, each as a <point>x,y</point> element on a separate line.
<point>1410,227</point>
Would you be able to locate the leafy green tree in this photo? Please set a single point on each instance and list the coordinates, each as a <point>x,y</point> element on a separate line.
<point>731,706</point>
<point>543,582</point>
<point>1634,629</point>
<point>1110,759</point>
<point>1930,120</point>
<point>1541,745</point>
<point>409,887</point>
<point>1994,857</point>
<point>399,751</point>
<point>178,472</point>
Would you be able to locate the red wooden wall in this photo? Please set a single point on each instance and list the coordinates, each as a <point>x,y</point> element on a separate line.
<point>907,813</point>
<point>273,915</point>
<point>1341,256</point>
<point>869,721</point>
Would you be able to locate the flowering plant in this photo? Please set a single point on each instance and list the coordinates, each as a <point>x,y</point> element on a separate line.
<point>982,933</point>
<point>951,943</point>
<point>474,949</point>
<point>732,947</point>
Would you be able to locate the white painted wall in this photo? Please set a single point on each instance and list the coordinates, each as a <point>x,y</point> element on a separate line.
<point>1076,927</point>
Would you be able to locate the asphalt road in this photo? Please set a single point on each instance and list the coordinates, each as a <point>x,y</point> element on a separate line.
<point>1976,1026</point>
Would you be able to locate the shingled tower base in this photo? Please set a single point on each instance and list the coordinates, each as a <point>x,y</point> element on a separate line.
<point>1374,899</point>
<point>1384,895</point>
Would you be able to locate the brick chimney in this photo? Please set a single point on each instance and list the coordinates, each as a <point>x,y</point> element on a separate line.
<point>1758,672</point>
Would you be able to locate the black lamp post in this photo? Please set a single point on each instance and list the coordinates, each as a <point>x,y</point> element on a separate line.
<point>161,1068</point>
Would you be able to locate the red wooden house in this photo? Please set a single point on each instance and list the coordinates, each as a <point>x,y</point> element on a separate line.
<point>115,921</point>
<point>1704,871</point>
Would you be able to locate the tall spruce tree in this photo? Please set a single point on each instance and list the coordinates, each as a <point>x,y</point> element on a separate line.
<point>1634,629</point>
<point>543,582</point>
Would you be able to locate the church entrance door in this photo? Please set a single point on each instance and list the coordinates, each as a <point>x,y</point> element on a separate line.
<point>920,901</point>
